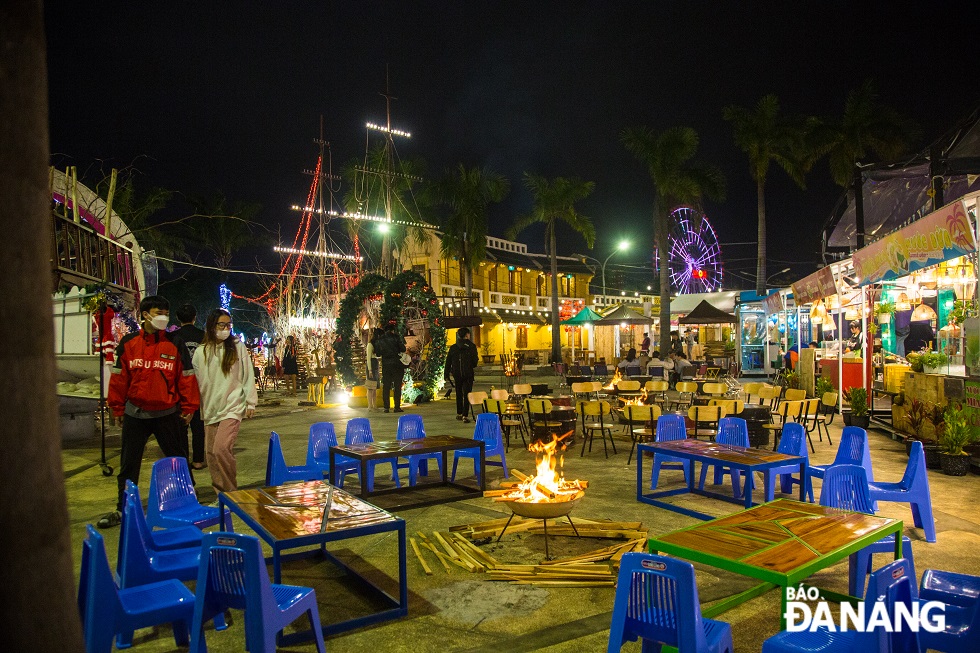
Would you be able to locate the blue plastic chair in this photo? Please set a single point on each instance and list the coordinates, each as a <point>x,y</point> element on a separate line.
<point>173,501</point>
<point>410,427</point>
<point>487,430</point>
<point>322,437</point>
<point>178,537</point>
<point>233,574</point>
<point>851,450</point>
<point>912,489</point>
<point>277,472</point>
<point>732,432</point>
<point>107,610</point>
<point>657,601</point>
<point>792,443</point>
<point>670,427</point>
<point>359,432</point>
<point>949,587</point>
<point>846,487</point>
<point>890,584</point>
<point>962,630</point>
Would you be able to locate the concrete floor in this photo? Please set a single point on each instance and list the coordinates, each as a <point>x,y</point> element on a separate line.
<point>464,612</point>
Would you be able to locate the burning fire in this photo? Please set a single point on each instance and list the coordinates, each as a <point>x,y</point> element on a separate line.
<point>616,379</point>
<point>510,367</point>
<point>639,400</point>
<point>548,482</point>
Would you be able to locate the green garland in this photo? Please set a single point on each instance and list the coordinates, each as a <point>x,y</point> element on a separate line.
<point>371,286</point>
<point>411,286</point>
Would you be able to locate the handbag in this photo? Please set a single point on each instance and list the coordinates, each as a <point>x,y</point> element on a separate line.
<point>405,359</point>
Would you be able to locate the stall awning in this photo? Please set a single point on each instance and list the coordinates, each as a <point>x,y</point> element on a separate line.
<point>585,316</point>
<point>623,314</point>
<point>687,303</point>
<point>705,313</point>
<point>940,236</point>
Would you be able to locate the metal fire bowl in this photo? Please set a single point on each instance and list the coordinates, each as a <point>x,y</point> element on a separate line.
<point>544,509</point>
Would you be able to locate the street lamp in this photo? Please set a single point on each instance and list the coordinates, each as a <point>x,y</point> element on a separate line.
<point>783,271</point>
<point>621,247</point>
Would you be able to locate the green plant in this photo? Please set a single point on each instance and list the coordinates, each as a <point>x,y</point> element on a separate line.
<point>793,380</point>
<point>822,387</point>
<point>958,432</point>
<point>873,328</point>
<point>884,308</point>
<point>934,359</point>
<point>858,399</point>
<point>899,399</point>
<point>937,417</point>
<point>915,361</point>
<point>963,309</point>
<point>916,415</point>
<point>486,347</point>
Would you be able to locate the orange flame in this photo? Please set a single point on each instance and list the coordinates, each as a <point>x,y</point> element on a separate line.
<point>614,381</point>
<point>548,482</point>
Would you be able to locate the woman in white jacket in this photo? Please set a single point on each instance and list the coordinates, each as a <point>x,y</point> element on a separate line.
<point>225,377</point>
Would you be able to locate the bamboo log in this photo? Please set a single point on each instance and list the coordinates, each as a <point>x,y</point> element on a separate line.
<point>519,474</point>
<point>442,558</point>
<point>496,493</point>
<point>545,491</point>
<point>445,545</point>
<point>565,583</point>
<point>418,554</point>
<point>480,553</point>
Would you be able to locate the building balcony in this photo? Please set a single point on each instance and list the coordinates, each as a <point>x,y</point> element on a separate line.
<point>543,303</point>
<point>81,256</point>
<point>509,300</point>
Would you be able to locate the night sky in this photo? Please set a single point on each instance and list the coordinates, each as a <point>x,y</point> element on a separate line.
<point>227,95</point>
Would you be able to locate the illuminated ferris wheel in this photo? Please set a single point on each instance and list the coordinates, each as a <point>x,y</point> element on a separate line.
<point>695,255</point>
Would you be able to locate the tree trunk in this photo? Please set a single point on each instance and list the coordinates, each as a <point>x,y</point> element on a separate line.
<point>661,228</point>
<point>39,611</point>
<point>760,270</point>
<point>555,333</point>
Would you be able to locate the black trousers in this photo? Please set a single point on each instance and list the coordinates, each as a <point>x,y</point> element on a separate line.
<point>463,388</point>
<point>170,434</point>
<point>391,382</point>
<point>197,437</point>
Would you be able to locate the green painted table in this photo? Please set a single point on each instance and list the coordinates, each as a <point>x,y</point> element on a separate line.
<point>781,543</point>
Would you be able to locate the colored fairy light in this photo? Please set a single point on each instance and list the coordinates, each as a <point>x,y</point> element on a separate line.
<point>224,297</point>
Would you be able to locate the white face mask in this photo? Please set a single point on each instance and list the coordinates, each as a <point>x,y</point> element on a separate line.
<point>222,334</point>
<point>160,322</point>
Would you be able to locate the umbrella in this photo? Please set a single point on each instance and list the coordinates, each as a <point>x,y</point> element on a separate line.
<point>585,316</point>
<point>623,313</point>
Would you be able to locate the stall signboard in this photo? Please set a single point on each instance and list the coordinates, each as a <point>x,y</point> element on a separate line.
<point>971,405</point>
<point>938,237</point>
<point>773,303</point>
<point>818,285</point>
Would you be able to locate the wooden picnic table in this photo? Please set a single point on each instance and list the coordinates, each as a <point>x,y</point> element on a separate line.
<point>781,543</point>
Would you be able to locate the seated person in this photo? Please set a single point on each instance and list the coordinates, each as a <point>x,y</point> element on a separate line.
<point>629,361</point>
<point>679,364</point>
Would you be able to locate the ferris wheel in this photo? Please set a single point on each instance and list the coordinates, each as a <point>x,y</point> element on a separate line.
<point>695,255</point>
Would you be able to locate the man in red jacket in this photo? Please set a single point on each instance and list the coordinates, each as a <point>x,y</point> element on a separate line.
<point>154,391</point>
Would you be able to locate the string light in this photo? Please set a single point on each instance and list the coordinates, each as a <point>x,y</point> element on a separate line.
<point>388,130</point>
<point>347,215</point>
<point>307,252</point>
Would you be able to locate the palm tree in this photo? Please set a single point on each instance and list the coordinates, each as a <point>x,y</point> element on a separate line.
<point>554,203</point>
<point>468,193</point>
<point>867,127</point>
<point>766,136</point>
<point>676,180</point>
<point>138,211</point>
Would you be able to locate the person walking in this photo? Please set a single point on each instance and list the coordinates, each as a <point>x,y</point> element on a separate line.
<point>372,366</point>
<point>461,360</point>
<point>290,365</point>
<point>390,348</point>
<point>227,383</point>
<point>153,391</point>
<point>192,336</point>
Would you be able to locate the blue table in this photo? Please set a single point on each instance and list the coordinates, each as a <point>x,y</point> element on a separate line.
<point>290,516</point>
<point>745,460</point>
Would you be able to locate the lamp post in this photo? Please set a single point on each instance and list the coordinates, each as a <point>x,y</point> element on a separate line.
<point>783,271</point>
<point>621,247</point>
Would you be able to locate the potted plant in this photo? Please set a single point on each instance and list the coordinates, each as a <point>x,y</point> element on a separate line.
<point>916,413</point>
<point>933,361</point>
<point>884,312</point>
<point>792,380</point>
<point>486,349</point>
<point>858,414</point>
<point>937,417</point>
<point>915,361</point>
<point>957,434</point>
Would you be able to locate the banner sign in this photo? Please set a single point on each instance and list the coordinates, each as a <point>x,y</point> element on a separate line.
<point>938,237</point>
<point>773,303</point>
<point>818,285</point>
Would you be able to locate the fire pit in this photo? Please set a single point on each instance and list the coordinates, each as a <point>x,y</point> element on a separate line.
<point>547,494</point>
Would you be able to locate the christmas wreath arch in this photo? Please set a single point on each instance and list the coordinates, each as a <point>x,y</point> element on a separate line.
<point>372,286</point>
<point>410,289</point>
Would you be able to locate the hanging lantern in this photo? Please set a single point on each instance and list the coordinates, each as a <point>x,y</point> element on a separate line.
<point>818,314</point>
<point>923,313</point>
<point>903,303</point>
<point>852,313</point>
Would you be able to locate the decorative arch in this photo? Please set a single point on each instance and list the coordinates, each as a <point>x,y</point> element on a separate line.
<point>410,289</point>
<point>371,286</point>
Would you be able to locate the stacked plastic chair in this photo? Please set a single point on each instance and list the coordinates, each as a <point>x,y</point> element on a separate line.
<point>962,612</point>
<point>359,432</point>
<point>178,537</point>
<point>792,443</point>
<point>732,432</point>
<point>892,585</point>
<point>657,602</point>
<point>670,427</point>
<point>846,487</point>
<point>486,430</point>
<point>107,610</point>
<point>173,501</point>
<point>233,575</point>
<point>278,472</point>
<point>410,427</point>
<point>950,587</point>
<point>912,489</point>
<point>322,437</point>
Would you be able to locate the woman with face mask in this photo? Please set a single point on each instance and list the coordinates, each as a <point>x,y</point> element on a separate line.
<point>227,383</point>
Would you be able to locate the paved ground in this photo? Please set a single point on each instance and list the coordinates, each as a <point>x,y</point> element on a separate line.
<point>464,612</point>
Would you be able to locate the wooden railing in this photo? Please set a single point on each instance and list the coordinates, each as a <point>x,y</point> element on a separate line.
<point>81,256</point>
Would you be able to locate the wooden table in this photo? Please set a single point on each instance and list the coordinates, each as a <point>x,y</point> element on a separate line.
<point>291,516</point>
<point>746,461</point>
<point>781,543</point>
<point>393,449</point>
